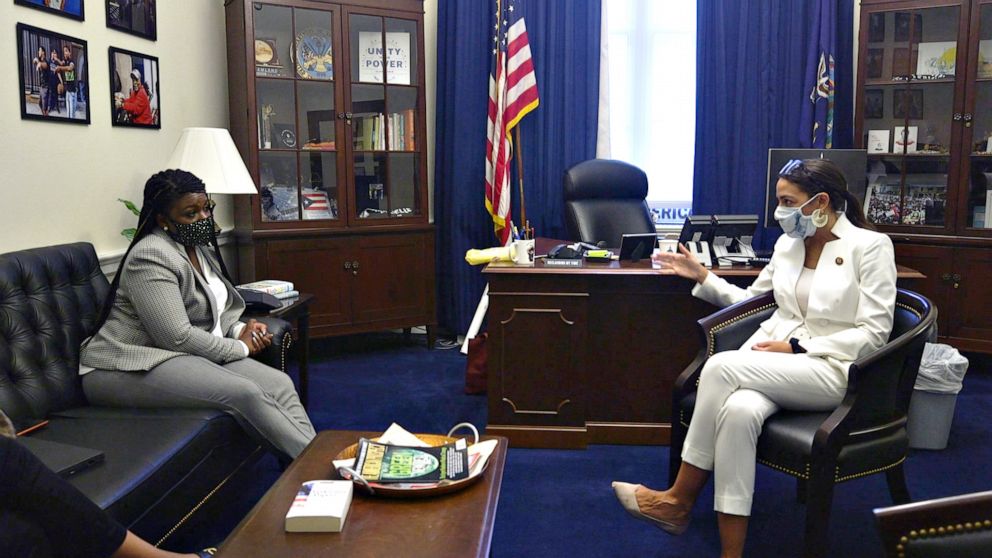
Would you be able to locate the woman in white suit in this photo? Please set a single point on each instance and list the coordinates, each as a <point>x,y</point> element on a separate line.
<point>834,281</point>
<point>170,333</point>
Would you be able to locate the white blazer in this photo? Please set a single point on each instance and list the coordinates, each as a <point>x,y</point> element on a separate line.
<point>851,299</point>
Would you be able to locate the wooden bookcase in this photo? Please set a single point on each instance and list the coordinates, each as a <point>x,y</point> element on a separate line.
<point>332,127</point>
<point>926,66</point>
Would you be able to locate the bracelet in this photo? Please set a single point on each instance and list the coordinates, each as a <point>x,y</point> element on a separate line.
<point>796,347</point>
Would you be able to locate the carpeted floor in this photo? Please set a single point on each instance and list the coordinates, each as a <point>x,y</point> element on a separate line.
<point>559,503</point>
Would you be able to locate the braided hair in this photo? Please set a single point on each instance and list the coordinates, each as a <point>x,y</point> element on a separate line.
<point>162,190</point>
<point>814,176</point>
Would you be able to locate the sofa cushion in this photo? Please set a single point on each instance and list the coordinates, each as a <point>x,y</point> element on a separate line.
<point>156,459</point>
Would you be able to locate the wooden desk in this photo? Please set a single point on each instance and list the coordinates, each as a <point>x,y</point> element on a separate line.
<point>589,355</point>
<point>297,312</point>
<point>456,524</point>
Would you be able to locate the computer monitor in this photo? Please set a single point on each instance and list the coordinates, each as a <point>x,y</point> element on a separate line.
<point>852,162</point>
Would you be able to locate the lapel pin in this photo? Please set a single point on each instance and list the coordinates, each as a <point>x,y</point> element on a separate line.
<point>839,261</point>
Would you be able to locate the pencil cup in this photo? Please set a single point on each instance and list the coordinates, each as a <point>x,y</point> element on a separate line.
<point>522,252</point>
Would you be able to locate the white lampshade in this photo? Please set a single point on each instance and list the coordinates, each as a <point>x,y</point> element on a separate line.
<point>210,154</point>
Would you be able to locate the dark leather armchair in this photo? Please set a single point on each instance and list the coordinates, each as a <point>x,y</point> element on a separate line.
<point>866,434</point>
<point>604,199</point>
<point>161,465</point>
<point>955,527</point>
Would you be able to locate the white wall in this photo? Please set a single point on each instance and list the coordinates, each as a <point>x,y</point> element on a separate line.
<point>60,182</point>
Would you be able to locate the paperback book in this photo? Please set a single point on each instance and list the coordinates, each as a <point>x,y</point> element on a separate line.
<point>385,463</point>
<point>270,286</point>
<point>320,506</point>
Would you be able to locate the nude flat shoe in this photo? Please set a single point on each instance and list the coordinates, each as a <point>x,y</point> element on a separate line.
<point>625,493</point>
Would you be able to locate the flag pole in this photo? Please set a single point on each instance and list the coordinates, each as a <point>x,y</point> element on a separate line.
<point>520,177</point>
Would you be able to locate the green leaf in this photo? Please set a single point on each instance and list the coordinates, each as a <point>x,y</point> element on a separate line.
<point>130,205</point>
<point>129,234</point>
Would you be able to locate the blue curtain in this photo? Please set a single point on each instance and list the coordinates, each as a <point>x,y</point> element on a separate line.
<point>564,40</point>
<point>751,92</point>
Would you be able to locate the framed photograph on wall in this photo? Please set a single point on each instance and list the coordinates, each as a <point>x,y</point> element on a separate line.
<point>65,8</point>
<point>52,76</point>
<point>902,27</point>
<point>875,59</point>
<point>908,103</point>
<point>136,17</point>
<point>876,28</point>
<point>874,103</point>
<point>135,98</point>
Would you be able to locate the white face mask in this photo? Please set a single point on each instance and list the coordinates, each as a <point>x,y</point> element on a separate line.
<point>797,225</point>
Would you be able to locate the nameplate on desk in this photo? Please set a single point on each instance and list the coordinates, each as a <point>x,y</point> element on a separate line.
<point>570,262</point>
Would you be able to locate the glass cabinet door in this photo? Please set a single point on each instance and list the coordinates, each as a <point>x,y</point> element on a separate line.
<point>295,113</point>
<point>910,61</point>
<point>979,203</point>
<point>384,102</point>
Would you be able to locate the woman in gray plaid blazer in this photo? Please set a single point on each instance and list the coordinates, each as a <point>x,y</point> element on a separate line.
<point>169,334</point>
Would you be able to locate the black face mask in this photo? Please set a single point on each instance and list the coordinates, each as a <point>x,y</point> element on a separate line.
<point>197,233</point>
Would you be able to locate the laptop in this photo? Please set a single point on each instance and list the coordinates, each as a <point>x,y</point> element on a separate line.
<point>64,459</point>
<point>638,246</point>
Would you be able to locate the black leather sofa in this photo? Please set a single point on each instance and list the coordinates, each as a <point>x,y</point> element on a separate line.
<point>162,465</point>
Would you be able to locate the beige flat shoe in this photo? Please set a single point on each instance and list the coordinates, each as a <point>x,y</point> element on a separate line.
<point>625,493</point>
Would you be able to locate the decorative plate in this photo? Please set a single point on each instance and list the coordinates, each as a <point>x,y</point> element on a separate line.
<point>313,54</point>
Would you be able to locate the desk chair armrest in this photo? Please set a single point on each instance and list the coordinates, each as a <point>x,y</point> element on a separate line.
<point>724,330</point>
<point>962,525</point>
<point>276,355</point>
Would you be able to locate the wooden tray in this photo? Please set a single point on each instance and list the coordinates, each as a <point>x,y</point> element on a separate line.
<point>396,492</point>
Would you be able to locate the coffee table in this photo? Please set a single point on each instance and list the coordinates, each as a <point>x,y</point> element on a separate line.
<point>456,524</point>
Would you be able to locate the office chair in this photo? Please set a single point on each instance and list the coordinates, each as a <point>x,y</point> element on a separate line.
<point>955,527</point>
<point>866,434</point>
<point>604,199</point>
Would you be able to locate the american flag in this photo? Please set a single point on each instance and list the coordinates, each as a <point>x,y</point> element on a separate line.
<point>512,94</point>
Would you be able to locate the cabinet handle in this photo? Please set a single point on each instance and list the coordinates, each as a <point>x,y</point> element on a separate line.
<point>957,117</point>
<point>944,277</point>
<point>967,120</point>
<point>354,267</point>
<point>347,265</point>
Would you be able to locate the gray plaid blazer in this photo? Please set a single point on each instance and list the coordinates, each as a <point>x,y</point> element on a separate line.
<point>164,309</point>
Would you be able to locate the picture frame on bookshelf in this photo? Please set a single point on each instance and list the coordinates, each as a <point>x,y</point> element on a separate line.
<point>908,103</point>
<point>135,18</point>
<point>50,82</point>
<point>902,27</point>
<point>876,28</point>
<point>72,9</point>
<point>283,136</point>
<point>875,61</point>
<point>371,60</point>
<point>874,103</point>
<point>135,92</point>
<point>924,205</point>
<point>985,59</point>
<point>882,204</point>
<point>267,62</point>
<point>904,138</point>
<point>878,141</point>
<point>937,59</point>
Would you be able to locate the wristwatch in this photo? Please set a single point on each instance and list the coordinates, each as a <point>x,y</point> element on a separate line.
<point>796,347</point>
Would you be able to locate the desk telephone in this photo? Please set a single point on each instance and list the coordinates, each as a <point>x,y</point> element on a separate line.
<point>570,251</point>
<point>701,250</point>
<point>257,301</point>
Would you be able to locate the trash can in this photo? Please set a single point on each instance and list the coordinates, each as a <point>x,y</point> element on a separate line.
<point>931,408</point>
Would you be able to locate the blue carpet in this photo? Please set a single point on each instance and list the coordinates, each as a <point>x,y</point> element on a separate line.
<point>559,503</point>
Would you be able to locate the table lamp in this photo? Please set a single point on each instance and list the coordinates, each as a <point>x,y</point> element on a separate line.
<point>210,154</point>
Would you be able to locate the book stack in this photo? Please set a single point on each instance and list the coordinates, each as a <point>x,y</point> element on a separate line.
<point>274,287</point>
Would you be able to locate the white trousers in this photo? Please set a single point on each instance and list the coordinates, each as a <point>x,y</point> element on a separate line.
<point>738,390</point>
